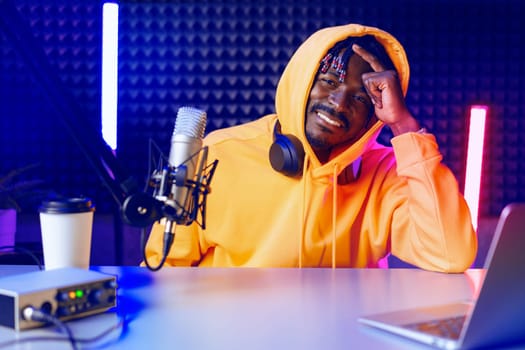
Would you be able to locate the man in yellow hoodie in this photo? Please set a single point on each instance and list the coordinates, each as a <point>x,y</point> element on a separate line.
<point>310,186</point>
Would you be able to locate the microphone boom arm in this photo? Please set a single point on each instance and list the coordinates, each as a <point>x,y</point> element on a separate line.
<point>137,207</point>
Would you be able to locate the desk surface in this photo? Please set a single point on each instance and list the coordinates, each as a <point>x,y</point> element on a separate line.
<point>207,308</point>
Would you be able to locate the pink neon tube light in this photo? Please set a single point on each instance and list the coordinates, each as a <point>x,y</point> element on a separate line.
<point>478,116</point>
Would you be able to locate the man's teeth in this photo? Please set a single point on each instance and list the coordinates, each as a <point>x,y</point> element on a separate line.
<point>328,120</point>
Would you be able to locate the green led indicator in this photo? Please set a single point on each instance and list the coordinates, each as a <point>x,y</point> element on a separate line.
<point>79,293</point>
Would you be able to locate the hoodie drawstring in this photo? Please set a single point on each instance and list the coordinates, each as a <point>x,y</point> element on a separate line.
<point>334,215</point>
<point>303,211</point>
<point>356,169</point>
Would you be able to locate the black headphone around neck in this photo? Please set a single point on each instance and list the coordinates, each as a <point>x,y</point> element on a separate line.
<point>286,153</point>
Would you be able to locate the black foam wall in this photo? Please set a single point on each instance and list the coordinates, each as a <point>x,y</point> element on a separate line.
<point>226,57</point>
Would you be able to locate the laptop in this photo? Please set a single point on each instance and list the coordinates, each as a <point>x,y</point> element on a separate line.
<point>496,318</point>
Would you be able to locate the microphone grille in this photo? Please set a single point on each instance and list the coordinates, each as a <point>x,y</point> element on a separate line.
<point>190,122</point>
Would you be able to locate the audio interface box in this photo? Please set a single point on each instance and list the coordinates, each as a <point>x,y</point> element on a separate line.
<point>65,293</point>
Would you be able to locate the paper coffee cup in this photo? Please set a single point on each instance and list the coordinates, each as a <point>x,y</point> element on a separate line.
<point>66,226</point>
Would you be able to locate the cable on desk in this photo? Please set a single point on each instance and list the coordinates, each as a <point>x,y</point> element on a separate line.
<point>69,338</point>
<point>120,324</point>
<point>37,315</point>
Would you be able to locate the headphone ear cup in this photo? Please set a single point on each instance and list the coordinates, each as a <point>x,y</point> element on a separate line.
<point>287,155</point>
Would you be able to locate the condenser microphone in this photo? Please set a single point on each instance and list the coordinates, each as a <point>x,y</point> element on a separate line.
<point>182,185</point>
<point>186,143</point>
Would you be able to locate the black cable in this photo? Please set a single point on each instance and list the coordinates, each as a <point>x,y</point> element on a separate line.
<point>37,315</point>
<point>168,241</point>
<point>25,251</point>
<point>70,338</point>
<point>120,324</point>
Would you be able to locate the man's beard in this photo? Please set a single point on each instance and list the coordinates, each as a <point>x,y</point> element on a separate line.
<point>316,142</point>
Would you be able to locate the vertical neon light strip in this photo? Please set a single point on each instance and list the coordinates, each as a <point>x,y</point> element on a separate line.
<point>109,73</point>
<point>478,116</point>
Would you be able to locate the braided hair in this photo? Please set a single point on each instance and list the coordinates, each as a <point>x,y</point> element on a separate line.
<point>339,62</point>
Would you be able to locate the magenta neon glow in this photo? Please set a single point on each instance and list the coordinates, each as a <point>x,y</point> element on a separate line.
<point>476,138</point>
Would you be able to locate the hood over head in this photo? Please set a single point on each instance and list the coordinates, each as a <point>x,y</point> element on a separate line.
<point>298,77</point>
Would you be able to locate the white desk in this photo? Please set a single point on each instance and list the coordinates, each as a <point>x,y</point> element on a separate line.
<point>206,308</point>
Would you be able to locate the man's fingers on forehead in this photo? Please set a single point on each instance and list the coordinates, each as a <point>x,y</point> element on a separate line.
<point>368,57</point>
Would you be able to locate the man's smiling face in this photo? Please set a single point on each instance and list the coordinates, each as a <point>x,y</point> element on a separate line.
<point>338,112</point>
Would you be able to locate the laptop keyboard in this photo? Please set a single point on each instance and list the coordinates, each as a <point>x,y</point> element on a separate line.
<point>447,328</point>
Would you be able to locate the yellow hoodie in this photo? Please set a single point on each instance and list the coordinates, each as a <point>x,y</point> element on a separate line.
<point>404,200</point>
